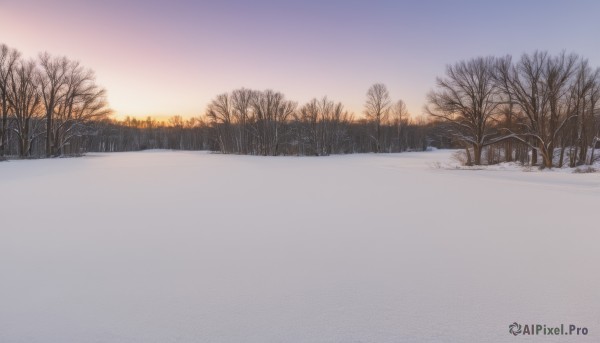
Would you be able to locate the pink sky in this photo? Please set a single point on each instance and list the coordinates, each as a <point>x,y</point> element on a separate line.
<point>164,58</point>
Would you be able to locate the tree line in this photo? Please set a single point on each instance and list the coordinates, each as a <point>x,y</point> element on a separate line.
<point>51,106</point>
<point>255,122</point>
<point>539,109</point>
<point>318,128</point>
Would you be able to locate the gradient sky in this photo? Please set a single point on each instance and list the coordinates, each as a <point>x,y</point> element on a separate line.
<point>165,58</point>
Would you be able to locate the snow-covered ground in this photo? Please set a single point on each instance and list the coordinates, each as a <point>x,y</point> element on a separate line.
<point>196,247</point>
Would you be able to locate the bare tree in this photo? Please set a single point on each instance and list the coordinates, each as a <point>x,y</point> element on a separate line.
<point>594,125</point>
<point>583,99</point>
<point>242,112</point>
<point>538,84</point>
<point>400,116</point>
<point>507,104</point>
<point>177,124</point>
<point>52,82</point>
<point>8,59</point>
<point>250,121</point>
<point>377,109</point>
<point>308,117</point>
<point>84,103</point>
<point>339,120</point>
<point>272,110</point>
<point>321,127</point>
<point>25,100</point>
<point>467,98</point>
<point>220,113</point>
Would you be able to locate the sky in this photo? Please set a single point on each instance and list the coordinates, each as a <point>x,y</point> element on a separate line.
<point>164,58</point>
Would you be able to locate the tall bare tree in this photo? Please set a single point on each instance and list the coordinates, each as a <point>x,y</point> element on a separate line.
<point>52,82</point>
<point>272,110</point>
<point>25,100</point>
<point>539,85</point>
<point>583,99</point>
<point>8,59</point>
<point>377,109</point>
<point>83,103</point>
<point>309,117</point>
<point>400,116</point>
<point>220,112</point>
<point>321,126</point>
<point>594,112</point>
<point>242,112</point>
<point>467,98</point>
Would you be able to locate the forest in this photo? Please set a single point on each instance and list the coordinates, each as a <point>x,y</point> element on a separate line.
<point>539,110</point>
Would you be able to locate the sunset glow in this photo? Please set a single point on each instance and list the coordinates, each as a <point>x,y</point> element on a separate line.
<point>164,58</point>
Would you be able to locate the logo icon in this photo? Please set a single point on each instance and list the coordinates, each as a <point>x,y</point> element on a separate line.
<point>514,328</point>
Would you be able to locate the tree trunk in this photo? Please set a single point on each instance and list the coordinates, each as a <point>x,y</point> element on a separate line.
<point>477,154</point>
<point>469,163</point>
<point>562,156</point>
<point>594,142</point>
<point>550,155</point>
<point>378,137</point>
<point>49,133</point>
<point>546,158</point>
<point>534,156</point>
<point>508,151</point>
<point>23,146</point>
<point>4,128</point>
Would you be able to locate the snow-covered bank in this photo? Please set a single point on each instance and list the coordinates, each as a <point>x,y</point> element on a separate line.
<point>197,247</point>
